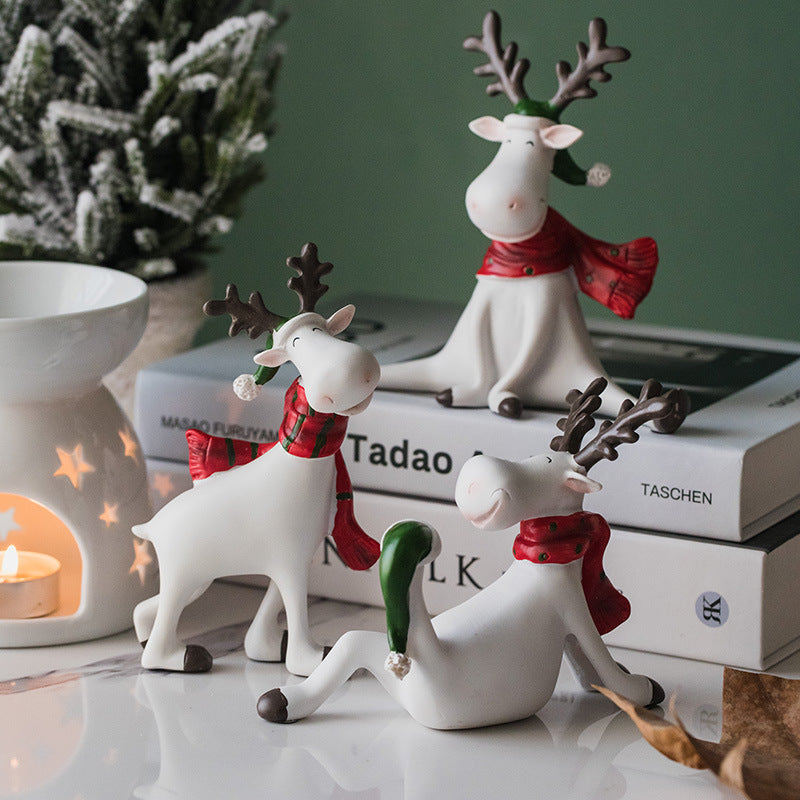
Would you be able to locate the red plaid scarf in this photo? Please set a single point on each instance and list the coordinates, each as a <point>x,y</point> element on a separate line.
<point>617,275</point>
<point>560,540</point>
<point>305,433</point>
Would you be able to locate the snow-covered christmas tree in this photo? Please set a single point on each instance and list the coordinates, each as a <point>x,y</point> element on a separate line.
<point>130,129</point>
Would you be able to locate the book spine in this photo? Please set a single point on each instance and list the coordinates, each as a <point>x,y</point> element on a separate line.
<point>409,445</point>
<point>694,599</point>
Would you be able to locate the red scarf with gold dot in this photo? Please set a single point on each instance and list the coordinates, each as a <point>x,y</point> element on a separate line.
<point>617,275</point>
<point>562,539</point>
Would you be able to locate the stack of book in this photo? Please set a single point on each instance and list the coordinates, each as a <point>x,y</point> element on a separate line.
<point>705,523</point>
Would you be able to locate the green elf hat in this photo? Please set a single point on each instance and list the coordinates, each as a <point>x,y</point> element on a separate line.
<point>572,84</point>
<point>404,547</point>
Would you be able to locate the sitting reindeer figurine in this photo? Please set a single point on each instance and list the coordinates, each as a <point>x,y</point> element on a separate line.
<point>496,657</point>
<point>266,509</point>
<point>522,340</point>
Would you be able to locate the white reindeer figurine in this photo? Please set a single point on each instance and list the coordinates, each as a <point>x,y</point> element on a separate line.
<point>496,657</point>
<point>266,512</point>
<point>522,340</point>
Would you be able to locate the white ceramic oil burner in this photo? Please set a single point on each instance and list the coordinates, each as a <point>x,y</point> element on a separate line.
<point>72,476</point>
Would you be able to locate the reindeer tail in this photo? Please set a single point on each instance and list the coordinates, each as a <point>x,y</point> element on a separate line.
<point>405,546</point>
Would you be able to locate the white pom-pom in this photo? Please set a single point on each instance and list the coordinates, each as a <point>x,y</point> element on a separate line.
<point>246,388</point>
<point>398,663</point>
<point>598,175</point>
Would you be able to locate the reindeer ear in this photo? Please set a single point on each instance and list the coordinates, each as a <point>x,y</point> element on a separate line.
<point>337,322</point>
<point>560,136</point>
<point>489,128</point>
<point>581,483</point>
<point>272,358</point>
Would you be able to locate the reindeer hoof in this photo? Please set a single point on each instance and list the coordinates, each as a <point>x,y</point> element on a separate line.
<point>511,407</point>
<point>273,706</point>
<point>658,694</point>
<point>197,659</point>
<point>675,418</point>
<point>445,398</point>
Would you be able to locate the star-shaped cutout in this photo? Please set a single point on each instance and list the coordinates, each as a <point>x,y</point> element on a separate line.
<point>8,523</point>
<point>141,559</point>
<point>130,444</point>
<point>162,484</point>
<point>110,515</point>
<point>72,465</point>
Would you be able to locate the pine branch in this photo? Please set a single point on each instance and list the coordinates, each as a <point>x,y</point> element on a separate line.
<point>130,129</point>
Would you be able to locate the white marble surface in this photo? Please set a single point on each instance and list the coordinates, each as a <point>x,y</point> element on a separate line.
<point>90,724</point>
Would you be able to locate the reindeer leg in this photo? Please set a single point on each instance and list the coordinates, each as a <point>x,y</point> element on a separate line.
<point>458,372</point>
<point>303,654</point>
<point>469,350</point>
<point>589,657</point>
<point>163,649</point>
<point>144,615</point>
<point>354,650</point>
<point>266,639</point>
<point>504,397</point>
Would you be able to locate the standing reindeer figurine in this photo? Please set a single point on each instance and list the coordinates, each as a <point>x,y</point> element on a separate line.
<point>266,509</point>
<point>496,657</point>
<point>522,340</point>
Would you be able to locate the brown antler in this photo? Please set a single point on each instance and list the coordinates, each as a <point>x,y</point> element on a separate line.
<point>307,283</point>
<point>579,420</point>
<point>252,316</point>
<point>573,84</point>
<point>510,74</point>
<point>653,404</point>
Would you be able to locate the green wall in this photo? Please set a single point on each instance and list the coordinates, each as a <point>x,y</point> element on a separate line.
<point>372,153</point>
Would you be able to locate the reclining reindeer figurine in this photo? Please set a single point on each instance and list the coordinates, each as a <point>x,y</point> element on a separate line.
<point>266,509</point>
<point>522,340</point>
<point>495,658</point>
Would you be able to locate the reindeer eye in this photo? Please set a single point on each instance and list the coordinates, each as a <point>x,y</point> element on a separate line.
<point>295,341</point>
<point>316,329</point>
<point>530,143</point>
<point>549,460</point>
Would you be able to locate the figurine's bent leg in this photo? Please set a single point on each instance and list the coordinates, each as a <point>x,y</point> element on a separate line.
<point>458,372</point>
<point>354,650</point>
<point>515,381</point>
<point>593,664</point>
<point>265,639</point>
<point>303,654</point>
<point>469,356</point>
<point>163,649</point>
<point>144,615</point>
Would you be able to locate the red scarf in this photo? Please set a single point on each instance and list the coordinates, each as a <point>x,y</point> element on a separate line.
<point>305,433</point>
<point>560,540</point>
<point>617,275</point>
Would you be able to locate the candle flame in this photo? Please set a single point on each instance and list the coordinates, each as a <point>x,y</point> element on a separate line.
<point>10,563</point>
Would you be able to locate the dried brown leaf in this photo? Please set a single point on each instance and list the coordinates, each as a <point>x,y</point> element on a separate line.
<point>759,753</point>
<point>669,739</point>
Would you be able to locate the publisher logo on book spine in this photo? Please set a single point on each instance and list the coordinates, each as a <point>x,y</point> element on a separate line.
<point>712,609</point>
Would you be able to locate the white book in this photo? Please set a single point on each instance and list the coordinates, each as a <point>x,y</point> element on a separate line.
<point>729,473</point>
<point>732,603</point>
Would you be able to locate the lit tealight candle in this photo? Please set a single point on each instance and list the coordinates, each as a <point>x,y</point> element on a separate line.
<point>28,584</point>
